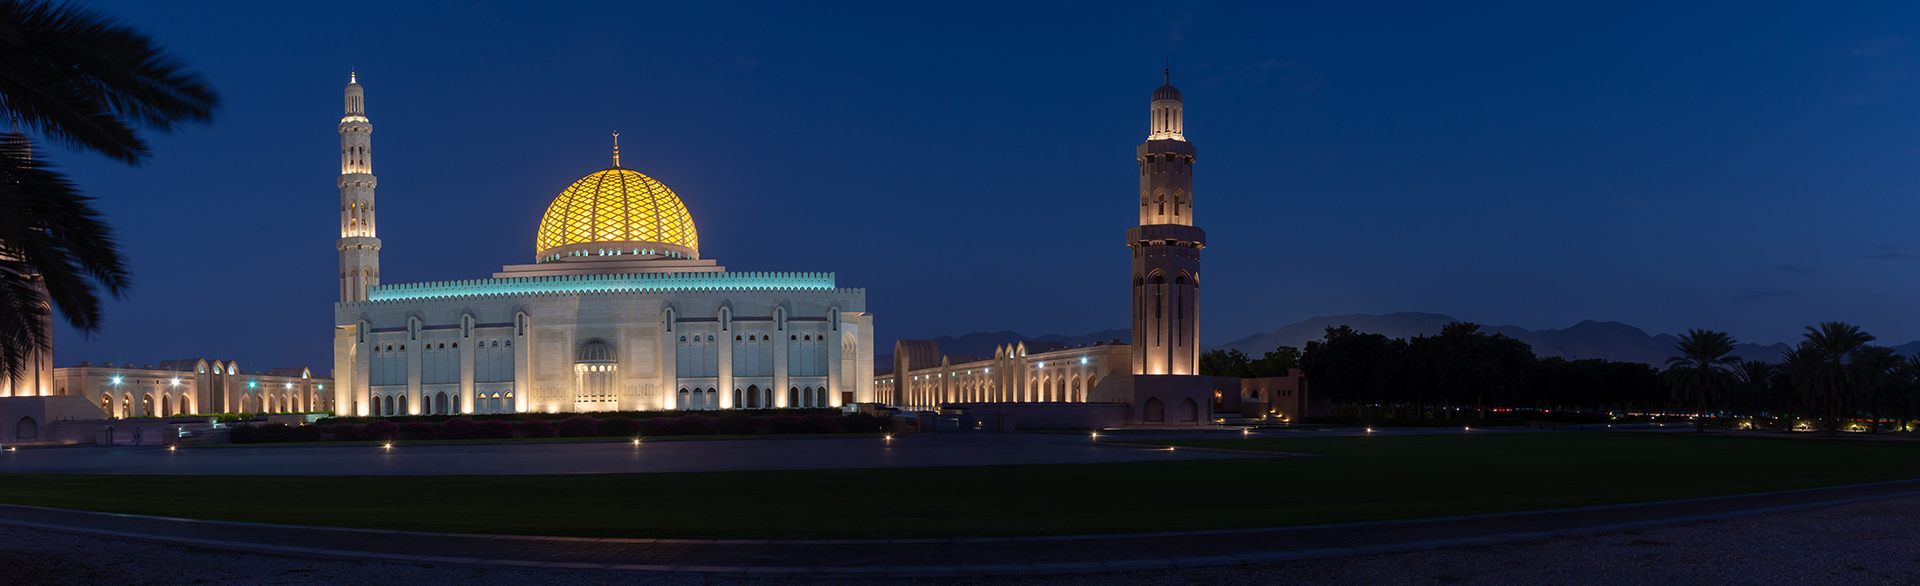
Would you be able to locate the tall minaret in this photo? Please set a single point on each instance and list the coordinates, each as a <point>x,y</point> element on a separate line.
<point>1166,246</point>
<point>359,246</point>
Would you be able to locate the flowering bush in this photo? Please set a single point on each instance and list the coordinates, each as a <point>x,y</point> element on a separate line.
<point>459,428</point>
<point>536,428</point>
<point>820,424</point>
<point>492,429</point>
<point>735,424</point>
<point>382,430</point>
<point>785,424</point>
<point>693,425</point>
<point>619,427</point>
<point>657,426</point>
<point>579,426</point>
<point>417,430</point>
<point>347,432</point>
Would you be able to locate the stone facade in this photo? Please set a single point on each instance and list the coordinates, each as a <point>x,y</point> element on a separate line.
<point>191,386</point>
<point>1024,372</point>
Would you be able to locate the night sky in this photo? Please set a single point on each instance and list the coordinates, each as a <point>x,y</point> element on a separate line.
<point>1747,167</point>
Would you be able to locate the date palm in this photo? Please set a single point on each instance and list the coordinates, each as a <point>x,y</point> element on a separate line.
<point>75,78</point>
<point>1755,388</point>
<point>1881,370</point>
<point>1832,380</point>
<point>1701,374</point>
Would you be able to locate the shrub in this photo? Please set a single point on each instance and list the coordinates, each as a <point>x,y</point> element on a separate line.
<point>862,423</point>
<point>271,433</point>
<point>244,434</point>
<point>820,424</point>
<point>657,426</point>
<point>347,432</point>
<point>785,424</point>
<point>492,429</point>
<point>693,425</point>
<point>619,427</point>
<point>735,424</point>
<point>536,428</point>
<point>417,430</point>
<point>382,430</point>
<point>459,428</point>
<point>579,426</point>
<point>308,433</point>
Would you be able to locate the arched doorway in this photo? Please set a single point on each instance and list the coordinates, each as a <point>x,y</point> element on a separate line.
<point>821,399</point>
<point>166,406</point>
<point>1153,411</point>
<point>146,404</point>
<point>440,403</point>
<point>1219,400</point>
<point>26,430</point>
<point>1189,411</point>
<point>793,397</point>
<point>106,405</point>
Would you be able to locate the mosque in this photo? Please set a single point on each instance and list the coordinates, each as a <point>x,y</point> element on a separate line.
<point>617,311</point>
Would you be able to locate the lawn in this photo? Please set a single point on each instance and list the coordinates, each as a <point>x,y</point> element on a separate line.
<point>1353,479</point>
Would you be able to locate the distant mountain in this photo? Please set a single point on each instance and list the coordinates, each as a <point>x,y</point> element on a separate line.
<point>1611,340</point>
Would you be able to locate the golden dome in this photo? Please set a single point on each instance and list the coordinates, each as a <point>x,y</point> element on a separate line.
<point>616,211</point>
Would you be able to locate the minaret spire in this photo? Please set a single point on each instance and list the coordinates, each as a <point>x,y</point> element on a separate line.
<point>1166,246</point>
<point>359,243</point>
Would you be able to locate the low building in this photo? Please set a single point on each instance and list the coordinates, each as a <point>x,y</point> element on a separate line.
<point>193,386</point>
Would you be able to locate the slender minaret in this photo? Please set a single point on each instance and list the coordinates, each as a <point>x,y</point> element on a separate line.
<point>359,246</point>
<point>1166,246</point>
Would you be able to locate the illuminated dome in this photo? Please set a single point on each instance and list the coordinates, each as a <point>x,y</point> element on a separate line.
<point>616,212</point>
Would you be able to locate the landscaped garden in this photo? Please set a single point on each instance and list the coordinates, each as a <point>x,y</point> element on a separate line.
<point>1351,479</point>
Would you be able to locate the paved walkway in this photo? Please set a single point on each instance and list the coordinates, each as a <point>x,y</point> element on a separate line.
<point>926,557</point>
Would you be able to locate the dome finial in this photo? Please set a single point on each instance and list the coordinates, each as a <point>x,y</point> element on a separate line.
<point>616,148</point>
<point>352,77</point>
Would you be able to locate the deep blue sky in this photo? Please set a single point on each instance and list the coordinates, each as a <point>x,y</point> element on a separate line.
<point>1746,167</point>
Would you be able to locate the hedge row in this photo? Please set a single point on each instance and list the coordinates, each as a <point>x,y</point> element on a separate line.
<point>460,428</point>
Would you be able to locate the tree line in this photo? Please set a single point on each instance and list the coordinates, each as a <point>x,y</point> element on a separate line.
<point>1834,378</point>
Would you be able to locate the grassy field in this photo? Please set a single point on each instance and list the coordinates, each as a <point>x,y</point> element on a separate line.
<point>535,440</point>
<point>1354,479</point>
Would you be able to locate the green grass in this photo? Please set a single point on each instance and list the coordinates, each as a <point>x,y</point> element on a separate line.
<point>1354,479</point>
<point>551,440</point>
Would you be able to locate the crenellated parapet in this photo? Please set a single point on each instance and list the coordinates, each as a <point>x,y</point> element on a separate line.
<point>611,283</point>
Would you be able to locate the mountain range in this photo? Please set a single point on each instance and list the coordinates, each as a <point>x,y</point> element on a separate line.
<point>1610,340</point>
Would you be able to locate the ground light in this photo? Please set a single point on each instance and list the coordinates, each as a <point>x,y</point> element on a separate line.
<point>636,442</point>
<point>387,446</point>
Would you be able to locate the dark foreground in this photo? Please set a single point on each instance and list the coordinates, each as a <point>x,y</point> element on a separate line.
<point>1871,542</point>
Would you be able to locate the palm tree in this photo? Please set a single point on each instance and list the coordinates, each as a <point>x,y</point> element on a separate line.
<point>1754,390</point>
<point>1700,373</point>
<point>1832,380</point>
<point>1881,370</point>
<point>79,79</point>
<point>1790,378</point>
